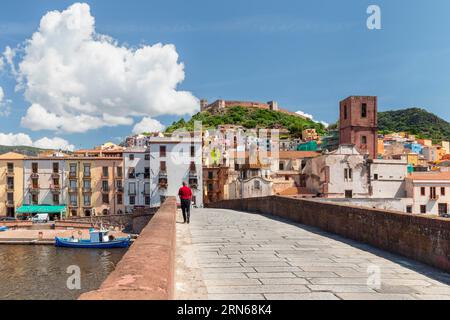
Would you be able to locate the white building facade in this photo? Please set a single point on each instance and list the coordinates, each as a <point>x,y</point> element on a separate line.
<point>387,178</point>
<point>339,174</point>
<point>45,181</point>
<point>137,178</point>
<point>430,192</point>
<point>172,161</point>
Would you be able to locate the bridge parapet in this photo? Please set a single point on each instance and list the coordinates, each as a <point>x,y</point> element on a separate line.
<point>147,270</point>
<point>422,238</point>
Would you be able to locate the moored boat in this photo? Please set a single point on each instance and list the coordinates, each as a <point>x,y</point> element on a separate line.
<point>98,240</point>
<point>4,228</point>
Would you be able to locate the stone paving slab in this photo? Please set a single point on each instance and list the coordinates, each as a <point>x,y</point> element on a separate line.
<point>237,255</point>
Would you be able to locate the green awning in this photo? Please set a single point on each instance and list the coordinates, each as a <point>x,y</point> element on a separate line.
<point>34,209</point>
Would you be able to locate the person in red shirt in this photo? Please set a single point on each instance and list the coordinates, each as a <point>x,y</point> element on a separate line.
<point>185,195</point>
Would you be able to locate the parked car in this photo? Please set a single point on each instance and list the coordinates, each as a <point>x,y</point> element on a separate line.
<point>40,218</point>
<point>7,219</point>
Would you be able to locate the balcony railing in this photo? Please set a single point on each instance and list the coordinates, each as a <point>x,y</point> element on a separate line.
<point>9,203</point>
<point>10,173</point>
<point>434,197</point>
<point>163,174</point>
<point>55,175</point>
<point>34,175</point>
<point>163,185</point>
<point>56,188</point>
<point>119,189</point>
<point>87,175</point>
<point>72,174</point>
<point>87,189</point>
<point>34,188</point>
<point>73,189</point>
<point>9,187</point>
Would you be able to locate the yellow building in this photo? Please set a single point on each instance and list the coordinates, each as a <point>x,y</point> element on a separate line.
<point>446,146</point>
<point>310,135</point>
<point>11,183</point>
<point>95,186</point>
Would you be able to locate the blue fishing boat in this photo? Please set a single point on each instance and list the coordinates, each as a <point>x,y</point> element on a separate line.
<point>3,229</point>
<point>98,240</point>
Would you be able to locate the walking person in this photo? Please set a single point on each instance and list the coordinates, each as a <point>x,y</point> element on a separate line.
<point>185,194</point>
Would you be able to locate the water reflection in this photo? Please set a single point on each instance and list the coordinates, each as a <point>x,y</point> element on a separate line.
<point>39,272</point>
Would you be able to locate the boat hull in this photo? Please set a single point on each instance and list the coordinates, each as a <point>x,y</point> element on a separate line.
<point>3,229</point>
<point>87,244</point>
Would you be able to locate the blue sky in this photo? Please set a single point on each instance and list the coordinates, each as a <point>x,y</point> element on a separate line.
<point>307,55</point>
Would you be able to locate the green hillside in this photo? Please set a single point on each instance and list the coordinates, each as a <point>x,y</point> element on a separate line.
<point>28,151</point>
<point>415,121</point>
<point>250,118</point>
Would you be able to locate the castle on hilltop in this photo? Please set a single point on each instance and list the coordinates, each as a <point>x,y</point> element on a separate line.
<point>221,105</point>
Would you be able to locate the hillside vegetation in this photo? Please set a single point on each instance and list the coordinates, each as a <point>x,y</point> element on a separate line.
<point>250,118</point>
<point>27,151</point>
<point>416,121</point>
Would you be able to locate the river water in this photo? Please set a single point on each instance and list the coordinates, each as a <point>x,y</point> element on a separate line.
<point>41,272</point>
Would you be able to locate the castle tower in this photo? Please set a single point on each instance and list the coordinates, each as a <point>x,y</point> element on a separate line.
<point>358,124</point>
<point>203,104</point>
<point>273,105</point>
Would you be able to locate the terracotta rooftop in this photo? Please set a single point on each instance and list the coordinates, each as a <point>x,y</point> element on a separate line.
<point>298,154</point>
<point>429,176</point>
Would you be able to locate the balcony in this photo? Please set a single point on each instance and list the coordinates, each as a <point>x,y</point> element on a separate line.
<point>87,176</point>
<point>119,189</point>
<point>163,184</point>
<point>87,190</point>
<point>72,175</point>
<point>106,190</point>
<point>9,187</point>
<point>193,186</point>
<point>10,173</point>
<point>73,189</point>
<point>55,188</point>
<point>34,189</point>
<point>34,175</point>
<point>56,175</point>
<point>163,174</point>
<point>9,203</point>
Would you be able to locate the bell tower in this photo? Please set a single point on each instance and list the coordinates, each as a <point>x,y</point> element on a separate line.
<point>358,124</point>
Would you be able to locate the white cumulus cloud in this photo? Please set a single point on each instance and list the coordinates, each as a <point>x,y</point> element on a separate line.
<point>54,143</point>
<point>148,125</point>
<point>5,108</point>
<point>311,117</point>
<point>304,114</point>
<point>78,80</point>
<point>22,139</point>
<point>11,139</point>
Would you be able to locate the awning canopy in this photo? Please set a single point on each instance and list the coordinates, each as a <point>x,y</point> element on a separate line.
<point>35,209</point>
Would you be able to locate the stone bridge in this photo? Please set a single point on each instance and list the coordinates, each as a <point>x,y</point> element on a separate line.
<point>231,254</point>
<point>227,254</point>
